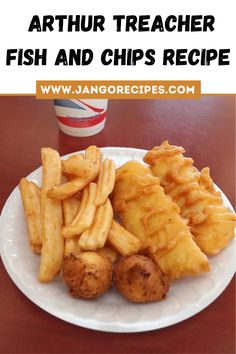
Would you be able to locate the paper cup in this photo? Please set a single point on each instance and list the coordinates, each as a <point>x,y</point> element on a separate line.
<point>81,117</point>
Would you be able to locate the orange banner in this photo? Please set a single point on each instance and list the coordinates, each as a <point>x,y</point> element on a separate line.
<point>118,89</point>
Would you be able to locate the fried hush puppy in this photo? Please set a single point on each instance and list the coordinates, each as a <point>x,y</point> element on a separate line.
<point>88,275</point>
<point>211,224</point>
<point>139,279</point>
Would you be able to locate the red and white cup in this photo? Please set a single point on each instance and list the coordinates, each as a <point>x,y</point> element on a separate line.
<point>80,117</point>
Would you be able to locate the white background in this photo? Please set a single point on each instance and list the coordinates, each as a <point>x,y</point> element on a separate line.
<point>15,17</point>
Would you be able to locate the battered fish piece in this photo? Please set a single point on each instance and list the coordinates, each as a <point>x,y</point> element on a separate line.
<point>88,275</point>
<point>140,280</point>
<point>155,219</point>
<point>200,204</point>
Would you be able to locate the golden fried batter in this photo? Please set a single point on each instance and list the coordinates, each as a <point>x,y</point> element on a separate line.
<point>200,204</point>
<point>155,219</point>
<point>139,279</point>
<point>88,275</point>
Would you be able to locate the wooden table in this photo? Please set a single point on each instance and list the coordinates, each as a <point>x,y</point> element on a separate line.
<point>205,128</point>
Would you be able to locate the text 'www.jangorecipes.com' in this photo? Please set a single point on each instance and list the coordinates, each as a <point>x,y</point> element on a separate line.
<point>118,89</point>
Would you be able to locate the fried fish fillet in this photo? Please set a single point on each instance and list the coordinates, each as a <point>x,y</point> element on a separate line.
<point>155,219</point>
<point>211,224</point>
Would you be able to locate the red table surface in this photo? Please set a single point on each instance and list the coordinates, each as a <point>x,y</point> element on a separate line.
<point>206,129</point>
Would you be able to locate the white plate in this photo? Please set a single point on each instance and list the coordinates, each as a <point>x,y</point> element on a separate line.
<point>111,312</point>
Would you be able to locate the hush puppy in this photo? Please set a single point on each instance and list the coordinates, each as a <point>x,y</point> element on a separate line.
<point>88,275</point>
<point>139,279</point>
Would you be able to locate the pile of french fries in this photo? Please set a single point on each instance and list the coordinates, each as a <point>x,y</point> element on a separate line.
<point>71,217</point>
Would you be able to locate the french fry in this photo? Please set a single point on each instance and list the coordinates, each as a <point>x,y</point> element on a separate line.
<point>68,189</point>
<point>93,153</point>
<point>84,218</point>
<point>51,212</point>
<point>109,252</point>
<point>70,209</point>
<point>72,246</point>
<point>74,158</point>
<point>77,166</point>
<point>95,237</point>
<point>31,198</point>
<point>122,240</point>
<point>106,181</point>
